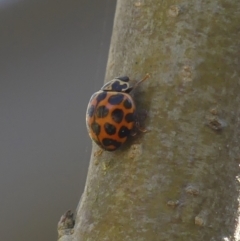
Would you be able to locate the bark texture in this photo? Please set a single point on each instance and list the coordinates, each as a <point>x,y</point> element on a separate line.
<point>179,181</point>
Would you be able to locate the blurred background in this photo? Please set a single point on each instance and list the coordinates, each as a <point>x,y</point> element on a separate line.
<point>53,56</point>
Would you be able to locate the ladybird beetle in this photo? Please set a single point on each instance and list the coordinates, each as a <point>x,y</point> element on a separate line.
<point>111,114</point>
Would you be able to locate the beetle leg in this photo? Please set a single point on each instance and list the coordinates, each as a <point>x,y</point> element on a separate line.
<point>133,132</point>
<point>98,153</point>
<point>140,128</point>
<point>140,117</point>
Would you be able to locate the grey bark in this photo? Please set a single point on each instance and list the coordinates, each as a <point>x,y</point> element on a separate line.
<point>179,181</point>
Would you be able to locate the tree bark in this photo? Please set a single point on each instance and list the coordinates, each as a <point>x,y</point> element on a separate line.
<point>179,181</point>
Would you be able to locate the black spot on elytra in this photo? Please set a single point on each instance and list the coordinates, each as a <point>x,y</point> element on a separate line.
<point>123,78</point>
<point>115,99</point>
<point>130,117</point>
<point>117,115</point>
<point>96,128</point>
<point>127,104</point>
<point>109,128</point>
<point>110,142</point>
<point>102,111</point>
<point>101,96</point>
<point>123,132</point>
<point>90,111</point>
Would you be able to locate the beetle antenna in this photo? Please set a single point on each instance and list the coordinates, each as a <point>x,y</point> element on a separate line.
<point>140,81</point>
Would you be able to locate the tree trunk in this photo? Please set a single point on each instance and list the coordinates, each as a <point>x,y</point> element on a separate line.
<point>179,180</point>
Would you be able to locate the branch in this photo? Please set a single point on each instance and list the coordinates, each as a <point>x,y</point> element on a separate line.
<point>178,181</point>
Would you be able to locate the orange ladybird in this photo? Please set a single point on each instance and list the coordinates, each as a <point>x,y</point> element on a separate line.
<point>111,114</point>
